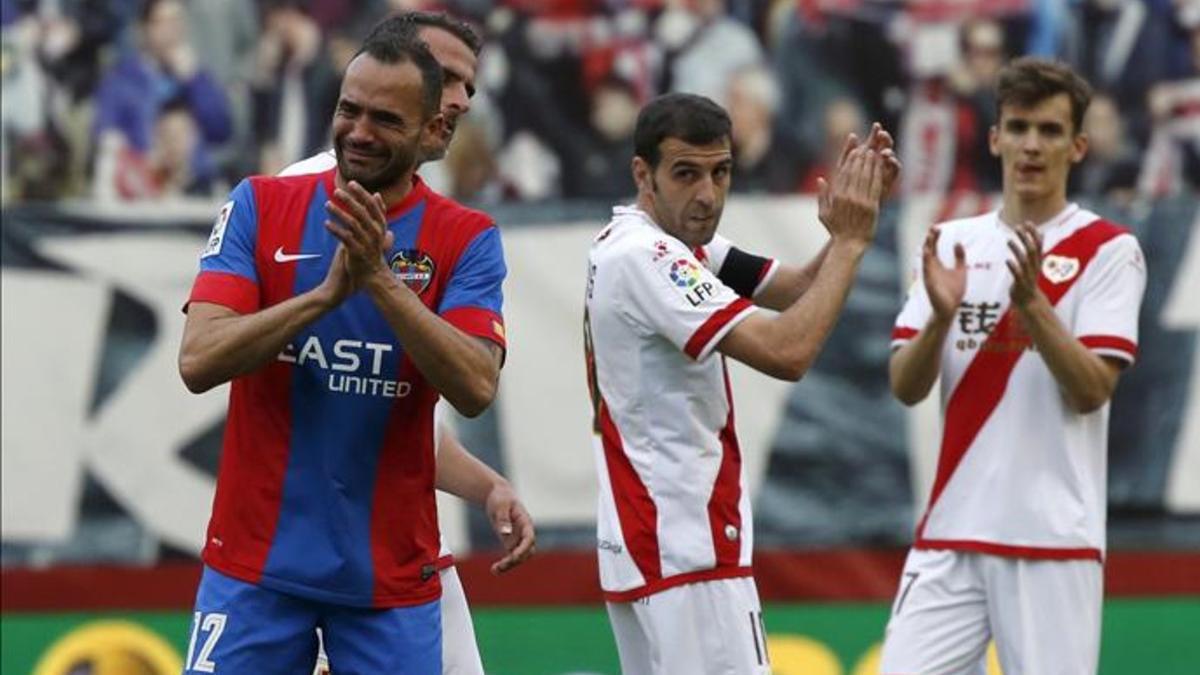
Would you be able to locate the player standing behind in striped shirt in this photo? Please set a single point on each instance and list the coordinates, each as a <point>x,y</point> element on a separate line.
<point>664,292</point>
<point>1029,315</point>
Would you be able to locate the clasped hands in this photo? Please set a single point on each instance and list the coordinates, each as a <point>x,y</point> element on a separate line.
<point>357,219</point>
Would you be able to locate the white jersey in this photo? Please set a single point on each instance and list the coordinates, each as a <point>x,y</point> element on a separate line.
<point>1020,473</point>
<point>318,163</point>
<point>673,505</point>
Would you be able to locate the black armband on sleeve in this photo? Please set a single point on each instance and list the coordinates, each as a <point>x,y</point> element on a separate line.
<point>743,271</point>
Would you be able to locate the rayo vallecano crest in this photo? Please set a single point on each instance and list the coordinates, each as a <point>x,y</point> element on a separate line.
<point>1059,268</point>
<point>414,267</point>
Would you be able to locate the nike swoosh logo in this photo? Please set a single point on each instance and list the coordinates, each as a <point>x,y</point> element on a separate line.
<point>281,257</point>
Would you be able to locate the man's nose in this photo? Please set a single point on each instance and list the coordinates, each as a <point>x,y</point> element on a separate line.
<point>455,99</point>
<point>1032,141</point>
<point>706,191</point>
<point>361,130</point>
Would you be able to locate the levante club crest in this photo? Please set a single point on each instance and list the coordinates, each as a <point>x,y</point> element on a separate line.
<point>414,267</point>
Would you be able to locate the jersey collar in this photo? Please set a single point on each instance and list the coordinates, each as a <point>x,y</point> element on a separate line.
<point>418,192</point>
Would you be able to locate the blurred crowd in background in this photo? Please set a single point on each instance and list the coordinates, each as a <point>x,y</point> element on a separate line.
<point>135,100</point>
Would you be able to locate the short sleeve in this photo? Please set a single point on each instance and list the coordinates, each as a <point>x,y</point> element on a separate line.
<point>916,310</point>
<point>1111,297</point>
<point>679,298</point>
<point>746,273</point>
<point>474,299</point>
<point>228,275</point>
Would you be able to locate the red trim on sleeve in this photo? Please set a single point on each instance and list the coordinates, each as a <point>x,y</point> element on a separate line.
<point>444,562</point>
<point>482,323</point>
<point>767,265</point>
<point>765,275</point>
<point>1110,342</point>
<point>223,288</point>
<point>904,333</point>
<point>704,334</point>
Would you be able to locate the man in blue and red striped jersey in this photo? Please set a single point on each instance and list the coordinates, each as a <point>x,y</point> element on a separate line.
<point>455,46</point>
<point>340,305</point>
<point>1028,315</point>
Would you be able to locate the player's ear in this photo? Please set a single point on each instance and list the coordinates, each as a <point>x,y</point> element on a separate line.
<point>1079,147</point>
<point>994,141</point>
<point>433,127</point>
<point>642,174</point>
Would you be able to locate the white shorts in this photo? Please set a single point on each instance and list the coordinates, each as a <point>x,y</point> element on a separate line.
<point>460,654</point>
<point>705,628</point>
<point>1043,614</point>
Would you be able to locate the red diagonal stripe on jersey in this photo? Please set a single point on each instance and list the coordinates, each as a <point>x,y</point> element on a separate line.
<point>1110,342</point>
<point>727,491</point>
<point>983,383</point>
<point>713,325</point>
<point>903,333</point>
<point>635,508</point>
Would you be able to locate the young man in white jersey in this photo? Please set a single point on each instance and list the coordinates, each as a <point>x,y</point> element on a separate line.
<point>1028,315</point>
<point>665,292</point>
<point>455,46</point>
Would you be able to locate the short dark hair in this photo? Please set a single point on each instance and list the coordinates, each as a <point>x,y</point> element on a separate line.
<point>407,26</point>
<point>1028,81</point>
<point>385,49</point>
<point>690,118</point>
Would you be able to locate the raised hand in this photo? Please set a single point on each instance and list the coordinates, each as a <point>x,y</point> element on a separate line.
<point>945,286</point>
<point>881,141</point>
<point>1025,265</point>
<point>848,205</point>
<point>358,221</point>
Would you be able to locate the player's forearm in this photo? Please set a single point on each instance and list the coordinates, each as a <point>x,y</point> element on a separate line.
<point>458,366</point>
<point>219,348</point>
<point>793,339</point>
<point>791,282</point>
<point>915,366</point>
<point>463,475</point>
<point>1087,382</point>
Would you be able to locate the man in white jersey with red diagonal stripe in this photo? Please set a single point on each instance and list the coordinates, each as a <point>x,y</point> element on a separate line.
<point>664,293</point>
<point>1029,315</point>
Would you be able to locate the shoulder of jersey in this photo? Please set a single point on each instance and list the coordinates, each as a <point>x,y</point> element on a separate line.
<point>276,185</point>
<point>958,225</point>
<point>1114,229</point>
<point>631,233</point>
<point>1120,242</point>
<point>454,214</point>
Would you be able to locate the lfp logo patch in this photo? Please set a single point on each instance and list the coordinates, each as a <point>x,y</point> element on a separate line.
<point>684,273</point>
<point>414,267</point>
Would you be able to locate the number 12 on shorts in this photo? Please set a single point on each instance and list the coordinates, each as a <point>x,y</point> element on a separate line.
<point>212,625</point>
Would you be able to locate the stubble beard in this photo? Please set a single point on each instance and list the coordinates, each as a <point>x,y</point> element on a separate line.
<point>397,164</point>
